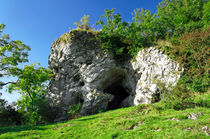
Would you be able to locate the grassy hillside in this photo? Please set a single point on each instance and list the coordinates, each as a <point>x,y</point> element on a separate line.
<point>143,121</point>
<point>185,38</point>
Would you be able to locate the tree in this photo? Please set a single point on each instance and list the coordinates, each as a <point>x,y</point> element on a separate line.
<point>143,31</point>
<point>12,52</point>
<point>31,81</point>
<point>113,33</point>
<point>126,38</point>
<point>180,16</point>
<point>32,85</point>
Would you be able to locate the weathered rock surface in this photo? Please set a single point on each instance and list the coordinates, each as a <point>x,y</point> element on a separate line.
<point>193,116</point>
<point>83,72</point>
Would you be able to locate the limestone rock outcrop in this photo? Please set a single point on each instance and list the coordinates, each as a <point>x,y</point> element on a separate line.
<point>84,73</point>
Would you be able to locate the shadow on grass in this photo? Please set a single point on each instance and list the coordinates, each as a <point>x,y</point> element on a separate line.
<point>86,119</point>
<point>22,128</point>
<point>11,129</point>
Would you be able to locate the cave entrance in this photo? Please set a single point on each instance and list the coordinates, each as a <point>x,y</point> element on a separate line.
<point>119,93</point>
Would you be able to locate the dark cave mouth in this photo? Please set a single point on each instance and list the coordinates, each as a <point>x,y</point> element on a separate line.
<point>119,93</point>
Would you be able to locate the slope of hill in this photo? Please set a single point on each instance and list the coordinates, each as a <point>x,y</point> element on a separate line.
<point>143,121</point>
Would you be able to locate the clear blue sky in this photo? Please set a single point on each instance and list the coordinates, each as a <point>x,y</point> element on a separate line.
<point>39,22</point>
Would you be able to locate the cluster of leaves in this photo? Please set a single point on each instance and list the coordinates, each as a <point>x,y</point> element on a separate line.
<point>123,38</point>
<point>113,33</point>
<point>32,85</point>
<point>74,111</point>
<point>178,17</point>
<point>11,54</point>
<point>174,18</point>
<point>83,23</point>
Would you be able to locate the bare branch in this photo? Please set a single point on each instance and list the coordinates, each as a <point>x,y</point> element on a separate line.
<point>3,84</point>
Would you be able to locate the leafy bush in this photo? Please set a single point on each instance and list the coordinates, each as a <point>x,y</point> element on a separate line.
<point>113,33</point>
<point>178,98</point>
<point>203,99</point>
<point>178,17</point>
<point>181,98</point>
<point>142,32</point>
<point>46,110</point>
<point>192,51</point>
<point>206,14</point>
<point>8,114</point>
<point>101,110</point>
<point>83,24</point>
<point>74,111</point>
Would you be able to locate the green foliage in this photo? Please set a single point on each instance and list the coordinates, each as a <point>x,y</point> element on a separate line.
<point>192,51</point>
<point>143,31</point>
<point>122,38</point>
<point>179,98</point>
<point>174,18</point>
<point>30,118</point>
<point>46,110</point>
<point>177,17</point>
<point>202,99</point>
<point>83,24</point>
<point>31,83</point>
<point>74,111</point>
<point>32,86</point>
<point>8,114</point>
<point>11,54</point>
<point>206,14</point>
<point>101,110</point>
<point>113,33</point>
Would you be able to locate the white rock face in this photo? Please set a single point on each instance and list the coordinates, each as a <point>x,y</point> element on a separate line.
<point>154,69</point>
<point>83,72</point>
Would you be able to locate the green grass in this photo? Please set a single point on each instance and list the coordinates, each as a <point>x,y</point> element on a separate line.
<point>156,123</point>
